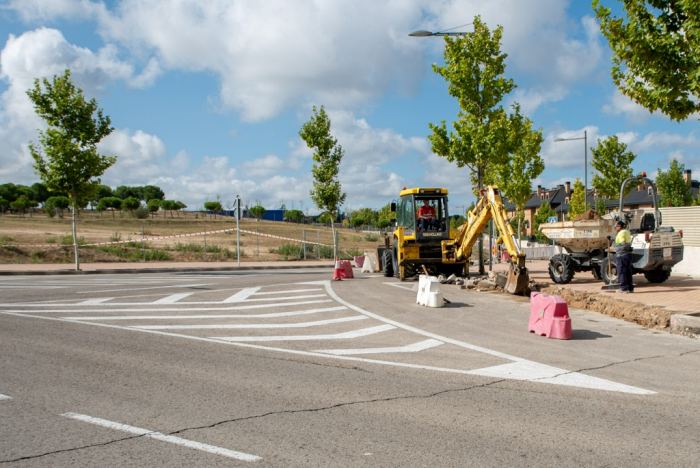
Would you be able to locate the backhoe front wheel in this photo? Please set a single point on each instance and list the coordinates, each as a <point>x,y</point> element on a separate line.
<point>561,269</point>
<point>387,263</point>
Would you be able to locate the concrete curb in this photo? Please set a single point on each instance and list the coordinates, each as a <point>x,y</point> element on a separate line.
<point>101,271</point>
<point>686,324</point>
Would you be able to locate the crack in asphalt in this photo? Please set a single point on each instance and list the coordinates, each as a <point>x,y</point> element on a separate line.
<point>257,416</point>
<point>617,363</point>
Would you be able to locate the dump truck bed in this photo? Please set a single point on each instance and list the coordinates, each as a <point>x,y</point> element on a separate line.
<point>580,236</point>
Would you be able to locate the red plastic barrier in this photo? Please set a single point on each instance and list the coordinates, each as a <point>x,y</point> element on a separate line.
<point>549,316</point>
<point>347,269</point>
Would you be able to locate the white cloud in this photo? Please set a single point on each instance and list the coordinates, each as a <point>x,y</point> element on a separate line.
<point>570,154</point>
<point>619,104</point>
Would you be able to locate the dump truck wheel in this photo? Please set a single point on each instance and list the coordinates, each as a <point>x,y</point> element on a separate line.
<point>387,263</point>
<point>595,270</point>
<point>561,269</point>
<point>657,276</point>
<point>608,271</point>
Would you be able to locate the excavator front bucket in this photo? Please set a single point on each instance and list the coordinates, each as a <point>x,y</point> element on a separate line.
<point>518,281</point>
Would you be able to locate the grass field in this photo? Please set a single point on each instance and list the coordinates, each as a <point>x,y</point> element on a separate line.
<point>182,237</point>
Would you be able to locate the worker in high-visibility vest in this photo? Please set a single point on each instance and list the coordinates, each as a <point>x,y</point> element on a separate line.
<point>623,257</point>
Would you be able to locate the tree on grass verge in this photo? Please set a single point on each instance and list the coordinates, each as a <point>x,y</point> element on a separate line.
<point>326,193</point>
<point>673,188</point>
<point>153,205</point>
<point>655,53</point>
<point>67,160</point>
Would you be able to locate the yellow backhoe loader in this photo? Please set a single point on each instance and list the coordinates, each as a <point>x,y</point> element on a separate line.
<point>423,240</point>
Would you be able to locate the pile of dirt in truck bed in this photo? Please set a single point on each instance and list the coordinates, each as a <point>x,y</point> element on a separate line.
<point>610,304</point>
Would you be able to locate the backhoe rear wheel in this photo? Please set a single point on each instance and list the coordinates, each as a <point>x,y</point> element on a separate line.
<point>387,264</point>
<point>561,269</point>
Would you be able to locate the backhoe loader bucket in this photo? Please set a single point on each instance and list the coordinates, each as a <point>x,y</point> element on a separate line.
<point>518,280</point>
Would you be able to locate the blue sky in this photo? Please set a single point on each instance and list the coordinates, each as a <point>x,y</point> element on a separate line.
<point>207,98</point>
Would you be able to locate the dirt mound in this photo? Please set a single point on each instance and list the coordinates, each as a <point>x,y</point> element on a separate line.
<point>647,316</point>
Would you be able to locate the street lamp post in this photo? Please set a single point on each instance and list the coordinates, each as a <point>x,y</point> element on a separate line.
<point>585,164</point>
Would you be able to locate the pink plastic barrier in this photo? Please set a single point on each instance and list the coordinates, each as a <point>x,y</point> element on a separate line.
<point>549,316</point>
<point>359,261</point>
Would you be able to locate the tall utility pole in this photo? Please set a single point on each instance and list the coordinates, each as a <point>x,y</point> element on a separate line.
<point>238,228</point>
<point>585,164</point>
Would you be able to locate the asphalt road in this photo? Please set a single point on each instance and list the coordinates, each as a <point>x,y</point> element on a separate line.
<point>285,368</point>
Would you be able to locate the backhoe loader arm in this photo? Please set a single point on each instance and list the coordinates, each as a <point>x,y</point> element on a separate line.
<point>490,206</point>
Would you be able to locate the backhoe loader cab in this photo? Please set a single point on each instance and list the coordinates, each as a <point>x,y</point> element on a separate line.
<point>422,223</point>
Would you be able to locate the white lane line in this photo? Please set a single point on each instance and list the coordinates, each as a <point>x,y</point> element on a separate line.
<point>5,397</point>
<point>163,437</point>
<point>241,295</point>
<point>403,286</point>
<point>148,287</point>
<point>163,309</point>
<point>173,298</point>
<point>284,298</point>
<point>412,348</point>
<point>209,316</point>
<point>227,326</point>
<point>337,336</point>
<point>94,301</point>
<point>287,291</point>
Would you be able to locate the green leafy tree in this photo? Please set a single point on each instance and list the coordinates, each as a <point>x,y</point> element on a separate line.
<point>544,212</point>
<point>475,72</point>
<point>385,217</point>
<point>515,175</point>
<point>39,192</point>
<point>362,217</point>
<point>213,207</point>
<point>294,216</point>
<point>4,205</point>
<point>152,192</point>
<point>68,161</point>
<point>55,205</point>
<point>110,203</point>
<point>10,192</point>
<point>153,205</point>
<point>179,206</point>
<point>327,192</point>
<point>655,53</point>
<point>124,192</point>
<point>257,211</point>
<point>673,188</point>
<point>613,164</point>
<point>168,206</point>
<point>131,204</point>
<point>22,204</point>
<point>577,201</point>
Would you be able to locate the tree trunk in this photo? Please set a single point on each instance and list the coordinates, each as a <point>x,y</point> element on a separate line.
<point>479,179</point>
<point>74,230</point>
<point>335,246</point>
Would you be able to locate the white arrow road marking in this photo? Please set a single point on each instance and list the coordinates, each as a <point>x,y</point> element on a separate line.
<point>210,316</point>
<point>337,336</point>
<point>241,295</point>
<point>5,397</point>
<point>536,372</point>
<point>173,298</point>
<point>317,323</point>
<point>412,348</point>
<point>163,437</point>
